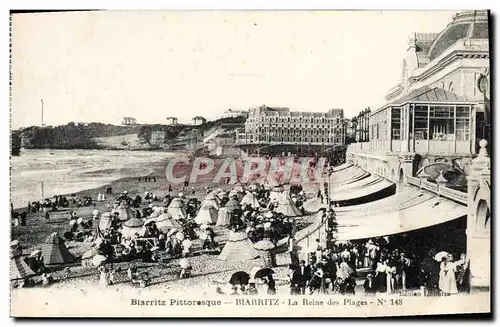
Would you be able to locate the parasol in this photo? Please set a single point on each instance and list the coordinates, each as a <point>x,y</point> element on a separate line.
<point>254,270</point>
<point>134,222</point>
<point>264,272</point>
<point>439,256</point>
<point>239,278</point>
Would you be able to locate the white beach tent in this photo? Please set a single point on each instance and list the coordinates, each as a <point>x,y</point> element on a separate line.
<point>206,215</point>
<point>133,227</point>
<point>177,209</point>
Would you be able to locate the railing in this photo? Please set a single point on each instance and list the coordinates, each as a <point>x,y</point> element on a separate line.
<point>359,146</point>
<point>444,191</point>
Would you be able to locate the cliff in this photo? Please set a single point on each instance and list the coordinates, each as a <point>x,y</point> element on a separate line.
<point>15,143</point>
<point>113,137</point>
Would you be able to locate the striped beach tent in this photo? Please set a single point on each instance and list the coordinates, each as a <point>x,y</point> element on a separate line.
<point>177,209</point>
<point>19,269</point>
<point>238,248</point>
<point>133,227</point>
<point>164,222</point>
<point>206,215</point>
<point>54,251</point>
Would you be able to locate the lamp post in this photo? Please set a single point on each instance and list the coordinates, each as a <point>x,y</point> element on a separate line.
<point>441,181</point>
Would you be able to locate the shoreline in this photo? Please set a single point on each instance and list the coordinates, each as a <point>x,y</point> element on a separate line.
<point>119,183</point>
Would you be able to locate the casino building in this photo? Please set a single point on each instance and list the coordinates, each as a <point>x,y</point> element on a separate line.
<point>432,139</point>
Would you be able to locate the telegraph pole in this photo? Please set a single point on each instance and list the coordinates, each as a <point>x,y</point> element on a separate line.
<point>41,120</point>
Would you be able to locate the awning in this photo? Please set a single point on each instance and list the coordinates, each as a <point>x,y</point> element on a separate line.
<point>342,166</point>
<point>348,175</point>
<point>409,197</point>
<point>359,192</point>
<point>426,214</point>
<point>364,182</point>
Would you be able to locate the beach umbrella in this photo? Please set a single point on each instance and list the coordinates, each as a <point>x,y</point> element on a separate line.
<point>439,256</point>
<point>254,270</point>
<point>264,245</point>
<point>98,260</point>
<point>134,223</point>
<point>264,272</point>
<point>239,278</point>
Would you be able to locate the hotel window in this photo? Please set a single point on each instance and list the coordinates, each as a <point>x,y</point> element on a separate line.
<point>442,121</point>
<point>463,123</point>
<point>421,123</point>
<point>403,123</point>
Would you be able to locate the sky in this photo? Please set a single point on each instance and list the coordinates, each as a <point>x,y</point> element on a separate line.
<point>102,66</point>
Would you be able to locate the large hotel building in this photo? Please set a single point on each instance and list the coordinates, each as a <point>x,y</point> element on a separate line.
<point>281,126</point>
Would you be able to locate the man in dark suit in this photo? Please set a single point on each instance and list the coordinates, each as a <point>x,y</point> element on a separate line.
<point>301,276</point>
<point>369,284</point>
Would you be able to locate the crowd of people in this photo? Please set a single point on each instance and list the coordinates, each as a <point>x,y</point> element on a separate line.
<point>149,229</point>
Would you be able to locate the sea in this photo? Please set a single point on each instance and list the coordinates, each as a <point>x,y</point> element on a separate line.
<point>41,173</point>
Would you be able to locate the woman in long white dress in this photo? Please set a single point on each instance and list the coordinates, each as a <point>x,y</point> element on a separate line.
<point>447,278</point>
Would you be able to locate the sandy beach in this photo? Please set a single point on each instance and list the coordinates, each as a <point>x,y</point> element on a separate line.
<point>207,269</point>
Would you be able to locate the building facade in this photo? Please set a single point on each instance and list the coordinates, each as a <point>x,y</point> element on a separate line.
<point>439,113</point>
<point>198,120</point>
<point>230,113</point>
<point>129,121</point>
<point>172,120</point>
<point>282,126</point>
